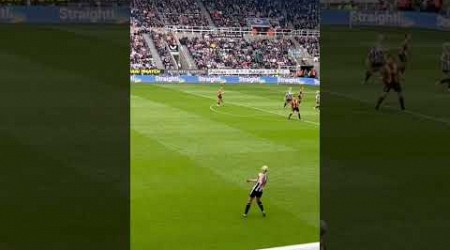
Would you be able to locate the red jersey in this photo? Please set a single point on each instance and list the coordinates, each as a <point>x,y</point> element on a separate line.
<point>294,103</point>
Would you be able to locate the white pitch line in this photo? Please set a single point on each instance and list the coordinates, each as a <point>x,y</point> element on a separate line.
<point>259,117</point>
<point>412,113</point>
<point>250,107</point>
<point>308,246</point>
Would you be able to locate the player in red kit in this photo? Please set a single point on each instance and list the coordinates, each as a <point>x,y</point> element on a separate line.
<point>295,105</point>
<point>220,93</point>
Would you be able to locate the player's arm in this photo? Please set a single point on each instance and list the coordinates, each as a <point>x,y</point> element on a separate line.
<point>367,60</point>
<point>253,180</point>
<point>388,72</point>
<point>400,74</point>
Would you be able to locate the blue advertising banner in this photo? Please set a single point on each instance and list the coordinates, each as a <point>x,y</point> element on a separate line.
<point>393,19</point>
<point>223,79</point>
<point>53,14</point>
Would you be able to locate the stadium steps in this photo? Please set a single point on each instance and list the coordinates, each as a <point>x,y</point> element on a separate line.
<point>153,51</point>
<point>187,62</point>
<point>205,12</point>
<point>304,55</point>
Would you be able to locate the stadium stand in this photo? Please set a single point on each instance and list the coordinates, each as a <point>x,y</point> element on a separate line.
<point>162,42</point>
<point>300,14</point>
<point>140,56</point>
<point>217,52</point>
<point>217,34</point>
<point>181,12</point>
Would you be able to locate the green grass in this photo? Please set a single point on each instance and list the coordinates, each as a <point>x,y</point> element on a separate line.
<point>64,137</point>
<point>383,174</point>
<point>190,160</point>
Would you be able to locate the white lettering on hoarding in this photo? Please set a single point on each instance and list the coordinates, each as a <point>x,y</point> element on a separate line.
<point>443,22</point>
<point>382,19</point>
<point>248,71</point>
<point>168,79</point>
<point>86,14</point>
<point>250,80</point>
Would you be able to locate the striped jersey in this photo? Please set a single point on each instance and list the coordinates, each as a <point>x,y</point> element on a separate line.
<point>376,55</point>
<point>260,183</point>
<point>289,95</point>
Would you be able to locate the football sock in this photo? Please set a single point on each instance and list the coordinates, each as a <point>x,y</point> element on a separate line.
<point>380,100</point>
<point>299,117</point>
<point>290,116</point>
<point>368,75</point>
<point>402,102</point>
<point>445,80</point>
<point>260,205</point>
<point>247,208</point>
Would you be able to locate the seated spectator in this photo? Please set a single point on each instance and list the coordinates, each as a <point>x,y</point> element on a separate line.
<point>162,42</point>
<point>181,12</point>
<point>140,56</point>
<point>213,52</point>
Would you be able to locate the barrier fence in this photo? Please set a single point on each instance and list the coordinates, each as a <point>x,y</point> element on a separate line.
<point>224,79</point>
<point>56,14</point>
<point>386,18</point>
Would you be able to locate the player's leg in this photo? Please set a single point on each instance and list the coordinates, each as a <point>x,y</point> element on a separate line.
<point>444,81</point>
<point>298,113</point>
<point>371,70</point>
<point>369,74</point>
<point>401,99</point>
<point>382,97</point>
<point>290,114</point>
<point>249,204</point>
<point>260,204</point>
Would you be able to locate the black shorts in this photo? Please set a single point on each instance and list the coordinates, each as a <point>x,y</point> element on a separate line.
<point>395,86</point>
<point>257,194</point>
<point>377,66</point>
<point>288,99</point>
<point>220,97</point>
<point>295,109</point>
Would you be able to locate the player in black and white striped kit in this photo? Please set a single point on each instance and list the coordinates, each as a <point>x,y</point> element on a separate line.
<point>257,191</point>
<point>288,97</point>
<point>376,59</point>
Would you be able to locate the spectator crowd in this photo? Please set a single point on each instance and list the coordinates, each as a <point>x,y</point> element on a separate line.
<point>210,52</point>
<point>213,51</point>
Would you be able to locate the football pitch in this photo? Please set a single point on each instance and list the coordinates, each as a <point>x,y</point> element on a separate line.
<point>399,165</point>
<point>190,159</point>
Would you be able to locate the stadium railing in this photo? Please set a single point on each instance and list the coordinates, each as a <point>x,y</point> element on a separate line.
<point>238,30</point>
